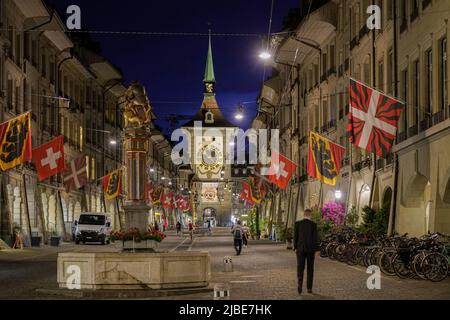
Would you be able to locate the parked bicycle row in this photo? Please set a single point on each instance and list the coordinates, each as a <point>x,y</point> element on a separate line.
<point>427,257</point>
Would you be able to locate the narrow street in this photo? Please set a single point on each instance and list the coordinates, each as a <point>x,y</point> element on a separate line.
<point>265,270</point>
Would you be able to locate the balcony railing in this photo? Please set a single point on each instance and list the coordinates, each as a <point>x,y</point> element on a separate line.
<point>361,165</point>
<point>331,71</point>
<point>415,14</point>
<point>346,162</point>
<point>303,140</point>
<point>412,131</point>
<point>425,4</point>
<point>364,30</point>
<point>303,178</point>
<point>354,43</point>
<point>402,136</point>
<point>425,124</point>
<point>404,25</point>
<point>341,70</point>
<point>438,117</point>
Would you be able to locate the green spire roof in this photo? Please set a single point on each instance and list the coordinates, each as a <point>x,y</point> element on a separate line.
<point>209,71</point>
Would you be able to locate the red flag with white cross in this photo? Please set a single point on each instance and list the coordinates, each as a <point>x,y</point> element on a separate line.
<point>281,170</point>
<point>168,201</point>
<point>373,119</point>
<point>75,174</point>
<point>49,158</point>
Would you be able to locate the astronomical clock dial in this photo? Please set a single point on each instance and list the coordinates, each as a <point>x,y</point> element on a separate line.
<point>211,160</point>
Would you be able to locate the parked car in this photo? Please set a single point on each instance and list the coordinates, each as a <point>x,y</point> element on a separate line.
<point>93,227</point>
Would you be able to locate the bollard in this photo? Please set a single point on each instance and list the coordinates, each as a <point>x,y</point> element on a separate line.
<point>222,291</point>
<point>228,264</point>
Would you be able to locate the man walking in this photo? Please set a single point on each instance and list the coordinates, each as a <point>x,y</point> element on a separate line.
<point>306,245</point>
<point>237,232</point>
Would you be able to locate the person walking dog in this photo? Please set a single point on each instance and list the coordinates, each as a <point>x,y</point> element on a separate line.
<point>306,245</point>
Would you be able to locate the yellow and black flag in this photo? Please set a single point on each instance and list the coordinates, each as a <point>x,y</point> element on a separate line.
<point>324,159</point>
<point>112,184</point>
<point>15,142</point>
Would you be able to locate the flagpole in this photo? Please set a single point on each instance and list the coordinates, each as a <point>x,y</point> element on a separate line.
<point>118,212</point>
<point>374,155</point>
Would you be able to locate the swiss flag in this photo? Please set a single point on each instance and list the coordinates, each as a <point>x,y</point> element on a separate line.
<point>168,201</point>
<point>182,203</point>
<point>49,158</point>
<point>246,193</point>
<point>281,170</point>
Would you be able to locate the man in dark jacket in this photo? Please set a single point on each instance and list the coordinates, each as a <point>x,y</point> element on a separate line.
<point>306,245</point>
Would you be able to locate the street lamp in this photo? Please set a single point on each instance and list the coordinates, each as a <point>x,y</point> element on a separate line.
<point>113,142</point>
<point>338,194</point>
<point>265,55</point>
<point>240,113</point>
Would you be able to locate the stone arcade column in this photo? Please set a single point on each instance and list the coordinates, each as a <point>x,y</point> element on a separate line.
<point>136,150</point>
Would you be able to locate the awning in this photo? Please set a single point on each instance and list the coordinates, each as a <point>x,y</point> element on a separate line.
<point>32,8</point>
<point>269,92</point>
<point>105,71</point>
<point>59,39</point>
<point>313,32</point>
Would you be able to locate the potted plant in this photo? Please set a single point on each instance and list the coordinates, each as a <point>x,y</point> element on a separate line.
<point>35,239</point>
<point>287,235</point>
<point>55,239</point>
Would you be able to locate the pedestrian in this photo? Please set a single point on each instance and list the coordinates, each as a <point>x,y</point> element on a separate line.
<point>306,245</point>
<point>245,235</point>
<point>209,227</point>
<point>237,232</point>
<point>18,242</point>
<point>178,228</point>
<point>191,230</point>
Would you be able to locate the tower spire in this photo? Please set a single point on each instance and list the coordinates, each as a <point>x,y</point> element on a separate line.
<point>209,80</point>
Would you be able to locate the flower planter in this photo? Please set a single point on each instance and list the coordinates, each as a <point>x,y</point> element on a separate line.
<point>36,241</point>
<point>54,241</point>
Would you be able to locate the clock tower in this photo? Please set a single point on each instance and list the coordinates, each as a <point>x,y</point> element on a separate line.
<point>212,174</point>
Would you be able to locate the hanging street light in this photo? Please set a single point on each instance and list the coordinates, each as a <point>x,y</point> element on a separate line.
<point>265,55</point>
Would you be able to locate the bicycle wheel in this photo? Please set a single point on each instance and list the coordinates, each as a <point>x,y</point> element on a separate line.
<point>350,255</point>
<point>339,251</point>
<point>366,257</point>
<point>329,250</point>
<point>360,255</point>
<point>417,265</point>
<point>402,267</point>
<point>435,267</point>
<point>323,250</point>
<point>376,252</point>
<point>385,263</point>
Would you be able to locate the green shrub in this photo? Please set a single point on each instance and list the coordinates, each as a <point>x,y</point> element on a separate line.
<point>352,217</point>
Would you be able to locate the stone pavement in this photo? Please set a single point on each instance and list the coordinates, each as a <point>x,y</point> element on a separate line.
<point>265,270</point>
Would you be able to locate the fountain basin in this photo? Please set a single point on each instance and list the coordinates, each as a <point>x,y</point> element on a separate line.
<point>123,270</point>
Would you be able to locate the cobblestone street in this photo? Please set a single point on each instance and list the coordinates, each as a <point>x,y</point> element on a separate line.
<point>265,270</point>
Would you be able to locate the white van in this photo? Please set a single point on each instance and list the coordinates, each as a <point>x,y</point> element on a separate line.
<point>93,227</point>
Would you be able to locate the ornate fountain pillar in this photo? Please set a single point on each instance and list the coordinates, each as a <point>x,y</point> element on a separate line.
<point>136,147</point>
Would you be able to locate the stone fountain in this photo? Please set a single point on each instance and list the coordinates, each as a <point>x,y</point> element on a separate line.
<point>140,270</point>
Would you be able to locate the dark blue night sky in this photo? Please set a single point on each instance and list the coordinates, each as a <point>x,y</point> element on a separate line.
<point>172,67</point>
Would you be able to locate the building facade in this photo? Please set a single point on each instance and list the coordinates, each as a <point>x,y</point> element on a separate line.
<point>71,90</point>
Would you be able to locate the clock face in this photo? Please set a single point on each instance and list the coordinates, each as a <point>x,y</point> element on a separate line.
<point>211,159</point>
